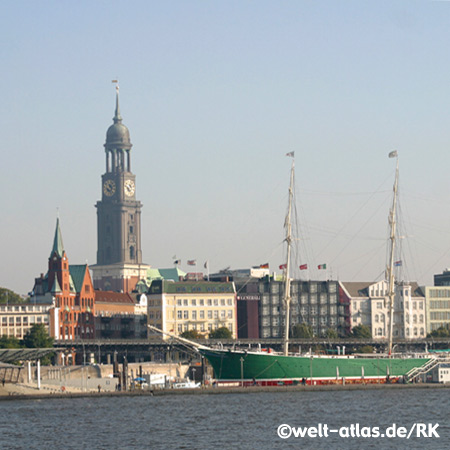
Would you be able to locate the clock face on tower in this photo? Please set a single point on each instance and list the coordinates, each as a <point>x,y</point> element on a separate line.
<point>129,188</point>
<point>109,188</point>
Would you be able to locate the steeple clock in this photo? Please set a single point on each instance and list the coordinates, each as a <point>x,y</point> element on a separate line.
<point>119,254</point>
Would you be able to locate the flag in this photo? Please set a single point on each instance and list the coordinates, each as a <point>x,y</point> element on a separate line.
<point>192,262</point>
<point>397,263</point>
<point>291,154</point>
<point>303,266</point>
<point>393,154</point>
<point>264,266</point>
<point>205,265</point>
<point>177,261</point>
<point>322,266</point>
<point>283,266</point>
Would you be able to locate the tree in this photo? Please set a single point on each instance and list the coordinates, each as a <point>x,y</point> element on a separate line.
<point>9,342</point>
<point>221,333</point>
<point>8,296</point>
<point>302,330</point>
<point>361,332</point>
<point>366,349</point>
<point>37,337</point>
<point>191,334</point>
<point>331,333</point>
<point>441,332</point>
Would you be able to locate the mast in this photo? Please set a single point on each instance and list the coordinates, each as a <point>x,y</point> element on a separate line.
<point>288,239</point>
<point>390,267</point>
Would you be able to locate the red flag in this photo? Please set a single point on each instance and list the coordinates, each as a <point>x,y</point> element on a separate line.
<point>283,266</point>
<point>264,266</point>
<point>322,266</point>
<point>303,266</point>
<point>192,262</point>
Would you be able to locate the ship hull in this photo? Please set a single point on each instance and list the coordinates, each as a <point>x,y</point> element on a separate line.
<point>235,368</point>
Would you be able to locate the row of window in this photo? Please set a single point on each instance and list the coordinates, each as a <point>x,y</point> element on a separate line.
<point>23,308</point>
<point>440,304</point>
<point>202,327</point>
<point>439,293</point>
<point>186,315</point>
<point>304,310</point>
<point>202,302</point>
<point>304,299</point>
<point>440,315</point>
<point>23,320</point>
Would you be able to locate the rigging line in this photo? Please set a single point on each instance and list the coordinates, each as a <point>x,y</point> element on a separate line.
<point>312,192</point>
<point>350,220</point>
<point>351,240</point>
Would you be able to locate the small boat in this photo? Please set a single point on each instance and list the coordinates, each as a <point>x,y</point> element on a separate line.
<point>188,384</point>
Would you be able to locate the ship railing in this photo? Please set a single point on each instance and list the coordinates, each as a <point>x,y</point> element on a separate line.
<point>416,371</point>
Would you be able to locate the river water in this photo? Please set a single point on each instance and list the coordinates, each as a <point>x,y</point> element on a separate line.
<point>242,421</point>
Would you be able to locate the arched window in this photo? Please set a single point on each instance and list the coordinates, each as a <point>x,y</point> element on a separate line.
<point>376,318</point>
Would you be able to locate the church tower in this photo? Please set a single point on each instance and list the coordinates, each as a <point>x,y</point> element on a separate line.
<point>119,255</point>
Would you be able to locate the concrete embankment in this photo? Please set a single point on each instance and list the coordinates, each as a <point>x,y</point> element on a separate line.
<point>21,392</point>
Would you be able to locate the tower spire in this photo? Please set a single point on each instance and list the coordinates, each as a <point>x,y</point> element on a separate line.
<point>58,246</point>
<point>117,117</point>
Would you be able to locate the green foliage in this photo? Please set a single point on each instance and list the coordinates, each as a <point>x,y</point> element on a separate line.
<point>221,333</point>
<point>441,332</point>
<point>8,296</point>
<point>361,332</point>
<point>9,342</point>
<point>331,333</point>
<point>366,349</point>
<point>302,330</point>
<point>37,337</point>
<point>191,334</point>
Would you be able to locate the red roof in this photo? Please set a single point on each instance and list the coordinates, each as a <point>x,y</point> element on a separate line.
<point>113,297</point>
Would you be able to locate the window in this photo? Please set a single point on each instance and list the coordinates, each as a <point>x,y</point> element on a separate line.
<point>185,302</point>
<point>209,314</point>
<point>185,314</point>
<point>230,313</point>
<point>202,302</point>
<point>179,302</point>
<point>209,302</point>
<point>194,315</point>
<point>194,302</point>
<point>222,302</point>
<point>202,314</point>
<point>179,314</point>
<point>216,314</point>
<point>222,314</point>
<point>230,302</point>
<point>216,302</point>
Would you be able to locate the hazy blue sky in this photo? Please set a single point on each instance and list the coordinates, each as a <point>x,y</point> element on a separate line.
<point>215,94</point>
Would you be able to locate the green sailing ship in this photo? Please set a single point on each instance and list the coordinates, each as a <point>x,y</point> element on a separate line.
<point>235,367</point>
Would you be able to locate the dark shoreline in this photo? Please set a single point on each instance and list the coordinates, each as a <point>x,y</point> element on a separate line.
<point>221,390</point>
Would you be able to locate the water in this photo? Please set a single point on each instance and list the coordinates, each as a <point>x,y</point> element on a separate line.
<point>243,421</point>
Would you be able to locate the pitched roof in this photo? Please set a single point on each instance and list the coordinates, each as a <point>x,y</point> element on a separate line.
<point>113,297</point>
<point>58,246</point>
<point>77,274</point>
<point>174,273</point>
<point>357,288</point>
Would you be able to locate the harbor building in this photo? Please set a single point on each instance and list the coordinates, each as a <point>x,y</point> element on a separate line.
<point>369,305</point>
<point>68,292</point>
<point>120,315</point>
<point>179,306</point>
<point>318,304</point>
<point>437,300</point>
<point>442,279</point>
<point>17,319</point>
<point>119,254</point>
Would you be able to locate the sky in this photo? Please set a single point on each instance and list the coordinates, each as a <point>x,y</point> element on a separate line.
<point>214,95</point>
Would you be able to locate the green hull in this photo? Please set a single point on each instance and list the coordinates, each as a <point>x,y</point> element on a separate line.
<point>235,366</point>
